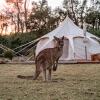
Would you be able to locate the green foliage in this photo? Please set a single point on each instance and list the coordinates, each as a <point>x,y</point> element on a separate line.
<point>95,32</point>
<point>3,40</point>
<point>1,52</point>
<point>43,19</point>
<point>91,18</point>
<point>8,54</point>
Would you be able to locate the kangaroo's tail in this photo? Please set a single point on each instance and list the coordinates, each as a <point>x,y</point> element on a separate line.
<point>24,77</point>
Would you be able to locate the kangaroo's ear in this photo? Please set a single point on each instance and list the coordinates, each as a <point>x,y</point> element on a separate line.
<point>63,38</point>
<point>55,38</point>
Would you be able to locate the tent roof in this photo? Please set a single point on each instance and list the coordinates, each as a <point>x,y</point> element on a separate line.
<point>68,29</point>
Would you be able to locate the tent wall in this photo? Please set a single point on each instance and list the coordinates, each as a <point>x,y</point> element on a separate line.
<point>81,48</point>
<point>44,43</point>
<point>74,45</point>
<point>40,44</point>
<point>65,49</point>
<point>94,46</point>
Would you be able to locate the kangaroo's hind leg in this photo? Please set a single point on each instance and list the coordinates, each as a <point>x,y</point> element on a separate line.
<point>44,75</point>
<point>44,70</point>
<point>49,74</point>
<point>37,71</point>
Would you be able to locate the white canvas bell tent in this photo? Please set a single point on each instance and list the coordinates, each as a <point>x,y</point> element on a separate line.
<point>76,45</point>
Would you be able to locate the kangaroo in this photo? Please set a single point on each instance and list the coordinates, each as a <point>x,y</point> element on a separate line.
<point>47,59</point>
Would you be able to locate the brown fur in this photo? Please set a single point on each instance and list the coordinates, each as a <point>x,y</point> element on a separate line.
<point>48,58</point>
<point>95,57</point>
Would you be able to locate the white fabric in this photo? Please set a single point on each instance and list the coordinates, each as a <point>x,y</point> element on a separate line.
<point>74,45</point>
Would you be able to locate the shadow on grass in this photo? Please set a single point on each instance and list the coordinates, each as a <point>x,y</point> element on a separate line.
<point>40,78</point>
<point>25,77</point>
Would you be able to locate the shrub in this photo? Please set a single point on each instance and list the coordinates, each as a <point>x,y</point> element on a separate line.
<point>8,54</point>
<point>95,31</point>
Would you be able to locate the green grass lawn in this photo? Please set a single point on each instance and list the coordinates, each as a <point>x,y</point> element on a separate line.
<point>69,82</point>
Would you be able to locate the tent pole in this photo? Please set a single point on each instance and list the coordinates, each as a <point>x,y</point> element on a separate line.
<point>86,52</point>
<point>85,36</point>
<point>74,55</point>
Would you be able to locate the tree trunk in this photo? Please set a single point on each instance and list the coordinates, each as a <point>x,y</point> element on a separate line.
<point>25,15</point>
<point>21,25</point>
<point>75,19</point>
<point>2,28</point>
<point>18,17</point>
<point>15,27</point>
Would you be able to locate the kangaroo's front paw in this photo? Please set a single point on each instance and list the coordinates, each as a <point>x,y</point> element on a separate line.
<point>54,68</point>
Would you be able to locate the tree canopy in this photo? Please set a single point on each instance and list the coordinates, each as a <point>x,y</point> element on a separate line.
<point>28,24</point>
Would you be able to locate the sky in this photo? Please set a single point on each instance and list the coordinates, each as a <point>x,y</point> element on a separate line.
<point>2,4</point>
<point>52,3</point>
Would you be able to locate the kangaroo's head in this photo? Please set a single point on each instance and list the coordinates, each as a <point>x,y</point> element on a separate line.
<point>59,42</point>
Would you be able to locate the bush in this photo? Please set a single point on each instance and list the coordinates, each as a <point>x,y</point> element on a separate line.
<point>95,32</point>
<point>8,54</point>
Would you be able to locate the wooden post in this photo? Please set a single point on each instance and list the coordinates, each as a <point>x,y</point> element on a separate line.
<point>86,52</point>
<point>85,41</point>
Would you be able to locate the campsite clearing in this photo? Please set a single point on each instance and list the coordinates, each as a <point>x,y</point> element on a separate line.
<point>70,82</point>
<point>78,43</point>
